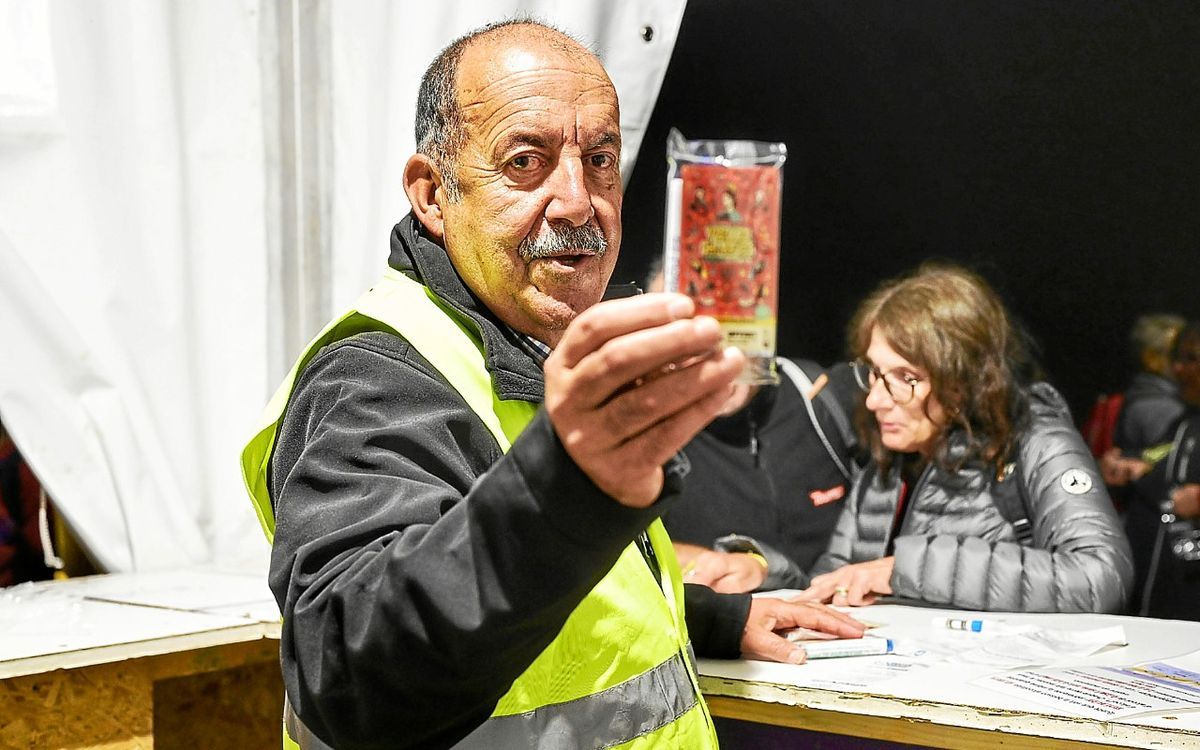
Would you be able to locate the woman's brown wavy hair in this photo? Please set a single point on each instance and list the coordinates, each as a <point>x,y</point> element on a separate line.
<point>950,323</point>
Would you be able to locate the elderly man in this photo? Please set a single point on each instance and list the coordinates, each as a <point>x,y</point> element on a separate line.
<point>455,564</point>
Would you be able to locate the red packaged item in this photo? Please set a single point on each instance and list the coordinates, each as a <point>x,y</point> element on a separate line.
<point>722,239</point>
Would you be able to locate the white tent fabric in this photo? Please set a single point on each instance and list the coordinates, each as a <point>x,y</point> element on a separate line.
<point>138,294</point>
<point>132,270</point>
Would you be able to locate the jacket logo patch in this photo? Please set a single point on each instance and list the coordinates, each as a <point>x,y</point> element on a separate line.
<point>1076,481</point>
<point>822,497</point>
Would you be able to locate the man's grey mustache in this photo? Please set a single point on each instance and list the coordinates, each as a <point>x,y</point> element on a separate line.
<point>560,239</point>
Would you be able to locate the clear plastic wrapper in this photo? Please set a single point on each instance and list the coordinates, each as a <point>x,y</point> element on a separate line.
<point>722,239</point>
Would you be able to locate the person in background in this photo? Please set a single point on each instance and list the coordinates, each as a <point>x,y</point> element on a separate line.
<point>1151,405</point>
<point>768,479</point>
<point>22,507</point>
<point>1165,502</point>
<point>1150,412</point>
<point>767,484</point>
<point>464,473</point>
<point>981,494</point>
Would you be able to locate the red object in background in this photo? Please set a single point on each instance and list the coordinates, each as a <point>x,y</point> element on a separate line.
<point>729,240</point>
<point>21,557</point>
<point>1101,423</point>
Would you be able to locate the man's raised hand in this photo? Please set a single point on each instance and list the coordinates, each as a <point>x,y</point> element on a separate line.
<point>630,383</point>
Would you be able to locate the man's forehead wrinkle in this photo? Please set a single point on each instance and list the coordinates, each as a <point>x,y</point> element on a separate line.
<point>539,78</point>
<point>472,101</point>
<point>485,117</point>
<point>509,125</point>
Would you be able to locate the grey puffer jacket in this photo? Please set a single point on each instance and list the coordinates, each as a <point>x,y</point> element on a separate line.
<point>956,548</point>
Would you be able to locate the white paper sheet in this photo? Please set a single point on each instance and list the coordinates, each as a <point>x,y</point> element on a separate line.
<point>1108,692</point>
<point>1039,646</point>
<point>189,590</point>
<point>39,620</point>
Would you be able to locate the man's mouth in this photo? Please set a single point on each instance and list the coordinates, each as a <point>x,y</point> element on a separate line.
<point>570,257</point>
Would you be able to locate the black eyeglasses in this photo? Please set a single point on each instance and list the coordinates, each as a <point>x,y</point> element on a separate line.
<point>900,384</point>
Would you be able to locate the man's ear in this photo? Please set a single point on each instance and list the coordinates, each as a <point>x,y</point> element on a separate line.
<point>423,185</point>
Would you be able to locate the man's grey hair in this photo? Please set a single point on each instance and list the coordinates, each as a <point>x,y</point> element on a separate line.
<point>439,124</point>
<point>1154,333</point>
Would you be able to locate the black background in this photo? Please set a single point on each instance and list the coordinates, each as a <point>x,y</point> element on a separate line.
<point>1053,147</point>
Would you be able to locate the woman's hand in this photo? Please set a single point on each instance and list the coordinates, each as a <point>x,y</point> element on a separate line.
<point>854,585</point>
<point>726,572</point>
<point>1118,471</point>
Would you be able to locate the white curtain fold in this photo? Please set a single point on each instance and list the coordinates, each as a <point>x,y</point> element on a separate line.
<point>133,276</point>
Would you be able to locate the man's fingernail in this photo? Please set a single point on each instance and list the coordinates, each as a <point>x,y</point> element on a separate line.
<point>680,307</point>
<point>703,325</point>
<point>797,656</point>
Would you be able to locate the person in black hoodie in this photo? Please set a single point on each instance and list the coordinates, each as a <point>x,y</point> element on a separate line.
<point>768,481</point>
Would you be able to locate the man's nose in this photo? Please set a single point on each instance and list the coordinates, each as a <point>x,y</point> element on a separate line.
<point>570,200</point>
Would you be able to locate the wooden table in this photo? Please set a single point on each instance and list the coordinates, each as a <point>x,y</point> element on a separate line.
<point>186,659</point>
<point>189,659</point>
<point>939,706</point>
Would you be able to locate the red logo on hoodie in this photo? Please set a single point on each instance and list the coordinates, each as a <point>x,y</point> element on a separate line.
<point>821,497</point>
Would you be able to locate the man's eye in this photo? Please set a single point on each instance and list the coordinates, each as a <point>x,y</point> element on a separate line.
<point>524,162</point>
<point>602,161</point>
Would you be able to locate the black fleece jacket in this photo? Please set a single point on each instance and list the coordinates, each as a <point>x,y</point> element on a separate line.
<point>418,568</point>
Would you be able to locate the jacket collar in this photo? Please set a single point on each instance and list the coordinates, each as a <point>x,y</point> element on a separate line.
<point>514,374</point>
<point>1044,402</point>
<point>739,427</point>
<point>1149,385</point>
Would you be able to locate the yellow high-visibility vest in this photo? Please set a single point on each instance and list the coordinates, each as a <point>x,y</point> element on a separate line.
<point>619,674</point>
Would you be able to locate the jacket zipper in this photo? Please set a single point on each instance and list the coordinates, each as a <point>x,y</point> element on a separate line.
<point>898,524</point>
<point>754,440</point>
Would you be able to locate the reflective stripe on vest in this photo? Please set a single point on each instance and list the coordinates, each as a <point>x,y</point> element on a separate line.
<point>608,719</point>
<point>624,642</point>
<point>620,714</point>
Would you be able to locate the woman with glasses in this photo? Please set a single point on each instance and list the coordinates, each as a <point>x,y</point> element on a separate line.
<point>981,494</point>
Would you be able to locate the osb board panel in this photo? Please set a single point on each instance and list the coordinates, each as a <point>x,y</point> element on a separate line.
<point>111,706</point>
<point>212,658</point>
<point>232,708</point>
<point>108,705</point>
